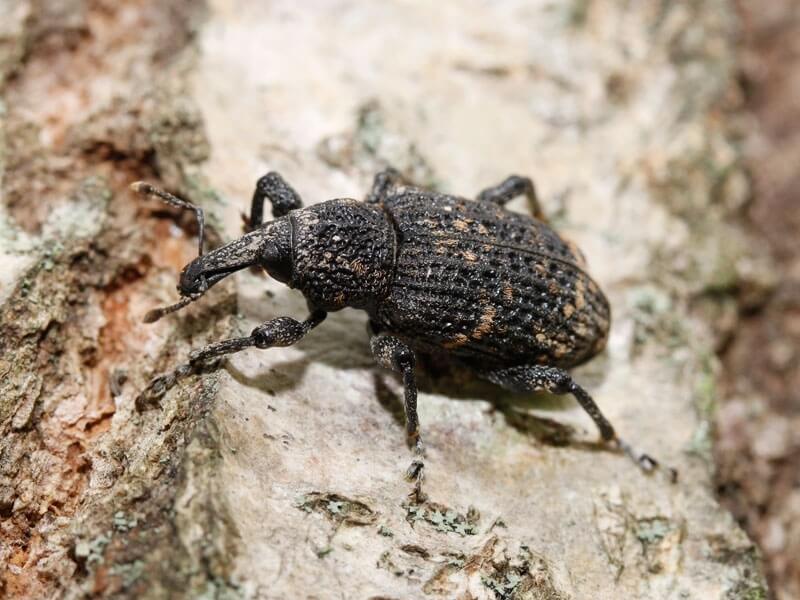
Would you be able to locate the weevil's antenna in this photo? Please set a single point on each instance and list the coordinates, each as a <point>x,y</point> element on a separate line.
<point>154,315</point>
<point>145,189</point>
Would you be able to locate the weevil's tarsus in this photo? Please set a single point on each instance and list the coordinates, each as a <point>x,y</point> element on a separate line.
<point>416,475</point>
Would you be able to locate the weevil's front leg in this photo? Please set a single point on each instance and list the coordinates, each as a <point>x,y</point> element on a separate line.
<point>280,194</point>
<point>557,381</point>
<point>278,332</point>
<point>392,353</point>
<point>385,181</point>
<point>510,188</point>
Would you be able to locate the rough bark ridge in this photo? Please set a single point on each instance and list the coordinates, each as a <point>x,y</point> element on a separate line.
<point>280,475</point>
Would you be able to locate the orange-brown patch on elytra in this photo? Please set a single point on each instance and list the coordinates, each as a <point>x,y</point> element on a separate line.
<point>484,323</point>
<point>540,269</point>
<point>541,338</point>
<point>469,256</point>
<point>508,291</point>
<point>482,229</point>
<point>358,267</point>
<point>569,310</point>
<point>560,350</point>
<point>461,224</point>
<point>580,293</point>
<point>442,246</point>
<point>456,341</point>
<point>553,288</point>
<point>339,299</point>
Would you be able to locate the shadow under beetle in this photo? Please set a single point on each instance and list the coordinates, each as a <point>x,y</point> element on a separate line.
<point>497,291</point>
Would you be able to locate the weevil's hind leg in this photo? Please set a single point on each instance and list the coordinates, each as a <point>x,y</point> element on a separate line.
<point>281,331</point>
<point>392,353</point>
<point>557,381</point>
<point>511,187</point>
<point>383,184</point>
<point>281,195</point>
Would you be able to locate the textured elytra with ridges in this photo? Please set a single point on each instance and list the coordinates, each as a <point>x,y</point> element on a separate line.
<point>480,282</point>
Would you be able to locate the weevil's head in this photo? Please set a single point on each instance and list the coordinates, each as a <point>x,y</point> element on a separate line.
<point>269,246</point>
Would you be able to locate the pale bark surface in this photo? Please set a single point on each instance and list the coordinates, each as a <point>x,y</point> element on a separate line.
<point>280,476</point>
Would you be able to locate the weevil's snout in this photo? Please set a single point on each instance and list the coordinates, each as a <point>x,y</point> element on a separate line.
<point>196,278</point>
<point>267,246</point>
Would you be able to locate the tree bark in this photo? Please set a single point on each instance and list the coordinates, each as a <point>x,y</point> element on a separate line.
<point>280,474</point>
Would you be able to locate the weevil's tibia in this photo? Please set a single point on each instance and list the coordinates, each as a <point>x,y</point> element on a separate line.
<point>511,187</point>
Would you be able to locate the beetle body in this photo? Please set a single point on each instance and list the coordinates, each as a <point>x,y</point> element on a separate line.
<point>451,276</point>
<point>495,290</point>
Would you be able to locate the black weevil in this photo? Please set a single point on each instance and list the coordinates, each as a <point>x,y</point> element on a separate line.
<point>497,291</point>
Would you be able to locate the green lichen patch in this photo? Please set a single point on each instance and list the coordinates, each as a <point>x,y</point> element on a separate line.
<point>521,575</point>
<point>122,523</point>
<point>338,508</point>
<point>91,551</point>
<point>442,518</point>
<point>652,530</point>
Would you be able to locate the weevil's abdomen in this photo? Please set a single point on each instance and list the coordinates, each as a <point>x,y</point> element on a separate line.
<point>343,253</point>
<point>489,285</point>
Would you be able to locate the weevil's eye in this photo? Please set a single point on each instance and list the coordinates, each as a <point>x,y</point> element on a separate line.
<point>276,253</point>
<point>277,260</point>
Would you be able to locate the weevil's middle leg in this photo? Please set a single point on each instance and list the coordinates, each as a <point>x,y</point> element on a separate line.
<point>392,353</point>
<point>557,381</point>
<point>511,187</point>
<point>280,194</point>
<point>278,332</point>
